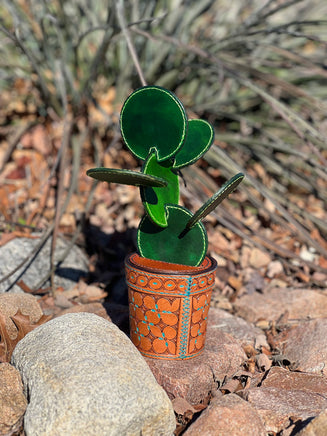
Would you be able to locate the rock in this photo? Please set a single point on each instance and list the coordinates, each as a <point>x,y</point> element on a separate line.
<point>316,427</point>
<point>195,378</point>
<point>300,303</point>
<point>246,333</point>
<point>84,376</point>
<point>278,406</point>
<point>11,303</point>
<point>12,400</point>
<point>228,415</point>
<point>275,268</point>
<point>306,346</point>
<point>283,379</point>
<point>96,308</point>
<point>71,269</point>
<point>259,259</point>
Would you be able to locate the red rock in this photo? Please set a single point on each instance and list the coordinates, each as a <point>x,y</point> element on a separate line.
<point>306,346</point>
<point>228,415</point>
<point>316,427</point>
<point>245,332</point>
<point>12,400</point>
<point>300,303</point>
<point>195,378</point>
<point>283,379</point>
<point>277,406</point>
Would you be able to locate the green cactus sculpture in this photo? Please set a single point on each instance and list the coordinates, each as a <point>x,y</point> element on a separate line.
<point>155,128</point>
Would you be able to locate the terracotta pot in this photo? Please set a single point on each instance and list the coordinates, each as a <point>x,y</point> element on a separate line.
<point>168,306</point>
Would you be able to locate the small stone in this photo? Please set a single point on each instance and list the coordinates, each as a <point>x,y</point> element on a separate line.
<point>306,346</point>
<point>300,303</point>
<point>12,400</point>
<point>274,269</point>
<point>85,377</point>
<point>194,379</point>
<point>259,258</point>
<point>228,415</point>
<point>276,406</point>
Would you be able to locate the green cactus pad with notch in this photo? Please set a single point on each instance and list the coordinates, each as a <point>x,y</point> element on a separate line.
<point>199,138</point>
<point>155,199</point>
<point>215,200</point>
<point>173,243</point>
<point>153,118</point>
<point>125,177</point>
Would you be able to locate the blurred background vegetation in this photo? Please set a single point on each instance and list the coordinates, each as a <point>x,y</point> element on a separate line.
<point>255,69</point>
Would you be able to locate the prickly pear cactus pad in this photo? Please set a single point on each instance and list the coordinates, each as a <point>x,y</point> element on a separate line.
<point>154,199</point>
<point>199,138</point>
<point>125,177</point>
<point>174,243</point>
<point>153,118</point>
<point>155,128</point>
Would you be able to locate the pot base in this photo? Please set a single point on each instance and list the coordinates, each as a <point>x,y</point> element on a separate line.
<point>168,306</point>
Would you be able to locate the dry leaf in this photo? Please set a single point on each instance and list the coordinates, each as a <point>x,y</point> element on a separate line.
<point>23,326</point>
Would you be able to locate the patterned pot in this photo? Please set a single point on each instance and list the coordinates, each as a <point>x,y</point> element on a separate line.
<point>168,306</point>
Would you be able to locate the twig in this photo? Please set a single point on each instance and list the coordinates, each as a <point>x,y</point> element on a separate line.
<point>21,131</point>
<point>124,28</point>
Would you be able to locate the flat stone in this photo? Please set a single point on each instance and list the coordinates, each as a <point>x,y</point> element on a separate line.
<point>316,427</point>
<point>306,346</point>
<point>228,415</point>
<point>85,377</point>
<point>14,252</point>
<point>300,303</point>
<point>283,379</point>
<point>245,332</point>
<point>12,400</point>
<point>194,379</point>
<point>276,406</point>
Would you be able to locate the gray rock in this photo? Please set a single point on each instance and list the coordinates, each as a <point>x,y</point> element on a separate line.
<point>14,252</point>
<point>84,377</point>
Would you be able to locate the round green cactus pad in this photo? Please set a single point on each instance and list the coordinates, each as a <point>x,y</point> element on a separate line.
<point>155,199</point>
<point>173,243</point>
<point>199,138</point>
<point>125,177</point>
<point>153,118</point>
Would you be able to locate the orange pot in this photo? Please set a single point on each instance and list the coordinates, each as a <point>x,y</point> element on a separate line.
<point>168,306</point>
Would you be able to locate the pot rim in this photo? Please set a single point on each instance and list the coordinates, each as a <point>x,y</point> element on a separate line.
<point>134,260</point>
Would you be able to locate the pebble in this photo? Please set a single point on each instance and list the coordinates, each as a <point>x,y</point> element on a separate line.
<point>85,377</point>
